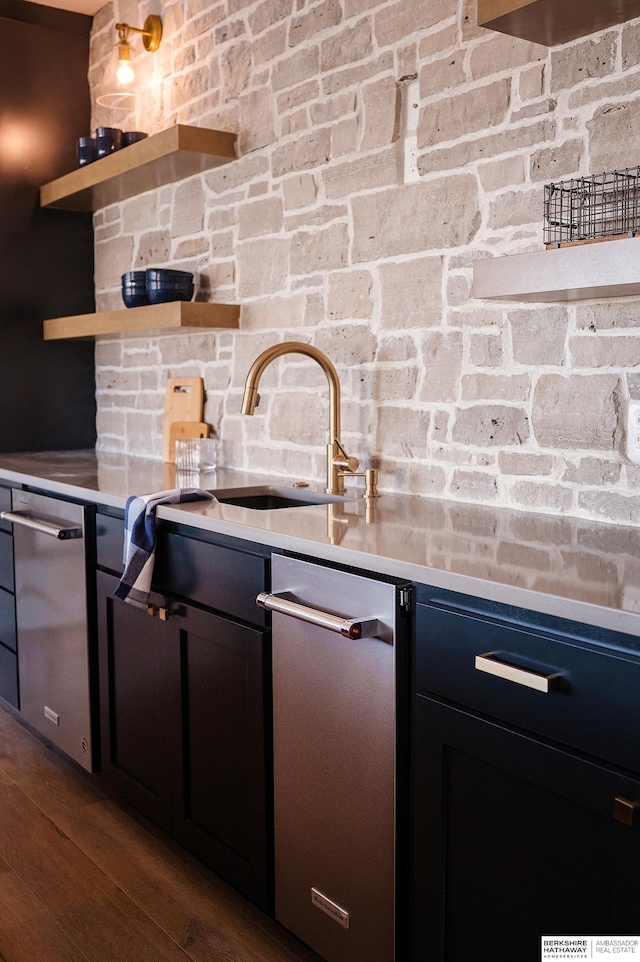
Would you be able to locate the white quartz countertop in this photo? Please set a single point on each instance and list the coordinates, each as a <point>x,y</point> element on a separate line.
<point>581,570</point>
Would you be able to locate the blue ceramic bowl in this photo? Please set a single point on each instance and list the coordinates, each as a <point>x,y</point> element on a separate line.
<point>135,298</point>
<point>160,275</point>
<point>134,279</point>
<point>162,295</point>
<point>164,285</point>
<point>169,285</point>
<point>134,289</point>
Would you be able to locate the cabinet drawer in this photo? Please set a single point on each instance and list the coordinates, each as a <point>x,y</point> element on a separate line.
<point>8,620</point>
<point>6,561</point>
<point>9,676</point>
<point>595,707</point>
<point>213,575</point>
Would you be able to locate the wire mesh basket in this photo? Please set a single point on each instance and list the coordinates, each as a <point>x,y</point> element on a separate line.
<point>587,208</point>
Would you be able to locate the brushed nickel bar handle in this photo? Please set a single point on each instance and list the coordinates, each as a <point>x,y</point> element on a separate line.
<point>544,683</point>
<point>354,629</point>
<point>44,527</point>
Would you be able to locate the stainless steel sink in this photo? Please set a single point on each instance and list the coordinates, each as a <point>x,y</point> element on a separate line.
<point>268,497</point>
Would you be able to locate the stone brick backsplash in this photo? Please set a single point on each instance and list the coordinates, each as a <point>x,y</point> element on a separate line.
<point>314,233</point>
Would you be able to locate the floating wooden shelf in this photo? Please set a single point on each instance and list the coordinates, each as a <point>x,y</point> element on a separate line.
<point>160,159</point>
<point>551,22</point>
<point>177,316</point>
<point>565,274</point>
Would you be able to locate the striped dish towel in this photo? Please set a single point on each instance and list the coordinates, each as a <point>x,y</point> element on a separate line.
<point>140,541</point>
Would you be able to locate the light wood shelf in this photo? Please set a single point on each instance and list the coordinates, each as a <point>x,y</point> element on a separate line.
<point>609,269</point>
<point>551,22</point>
<point>163,158</point>
<point>176,316</point>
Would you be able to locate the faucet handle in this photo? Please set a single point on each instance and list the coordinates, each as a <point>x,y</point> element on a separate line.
<point>346,464</point>
<point>343,461</point>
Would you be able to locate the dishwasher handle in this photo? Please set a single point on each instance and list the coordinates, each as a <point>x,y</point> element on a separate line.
<point>61,532</point>
<point>348,628</point>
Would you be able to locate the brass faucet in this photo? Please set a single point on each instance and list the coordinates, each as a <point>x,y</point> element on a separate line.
<point>339,464</point>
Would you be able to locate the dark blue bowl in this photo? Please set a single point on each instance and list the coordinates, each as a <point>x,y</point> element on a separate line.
<point>170,282</point>
<point>134,279</point>
<point>164,295</point>
<point>171,293</point>
<point>134,298</point>
<point>159,275</point>
<point>134,289</point>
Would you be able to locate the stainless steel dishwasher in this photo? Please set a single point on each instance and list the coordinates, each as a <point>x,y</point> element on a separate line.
<point>334,745</point>
<point>51,616</point>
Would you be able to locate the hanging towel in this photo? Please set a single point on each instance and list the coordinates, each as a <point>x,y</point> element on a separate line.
<point>140,541</point>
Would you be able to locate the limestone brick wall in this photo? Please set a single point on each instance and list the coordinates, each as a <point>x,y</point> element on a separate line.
<point>314,233</point>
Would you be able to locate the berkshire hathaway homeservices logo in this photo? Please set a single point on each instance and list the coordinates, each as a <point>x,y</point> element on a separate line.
<point>589,947</point>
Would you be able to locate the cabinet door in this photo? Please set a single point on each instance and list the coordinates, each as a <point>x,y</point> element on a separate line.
<point>9,676</point>
<point>219,749</point>
<point>134,652</point>
<point>514,840</point>
<point>8,636</point>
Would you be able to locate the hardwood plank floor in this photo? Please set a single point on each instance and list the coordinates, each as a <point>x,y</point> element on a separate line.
<point>82,880</point>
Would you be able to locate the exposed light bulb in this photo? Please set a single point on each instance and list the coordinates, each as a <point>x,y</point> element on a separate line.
<point>125,74</point>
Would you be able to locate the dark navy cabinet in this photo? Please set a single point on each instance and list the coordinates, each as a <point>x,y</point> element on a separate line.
<point>526,813</point>
<point>8,636</point>
<point>185,702</point>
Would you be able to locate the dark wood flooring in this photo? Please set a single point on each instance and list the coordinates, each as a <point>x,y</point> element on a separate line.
<point>83,881</point>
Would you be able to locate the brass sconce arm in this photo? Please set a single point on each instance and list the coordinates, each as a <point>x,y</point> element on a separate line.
<point>151,32</point>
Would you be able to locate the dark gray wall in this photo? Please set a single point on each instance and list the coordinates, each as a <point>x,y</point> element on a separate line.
<point>47,389</point>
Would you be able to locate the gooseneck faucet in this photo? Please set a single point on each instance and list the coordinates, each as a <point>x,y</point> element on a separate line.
<point>338,461</point>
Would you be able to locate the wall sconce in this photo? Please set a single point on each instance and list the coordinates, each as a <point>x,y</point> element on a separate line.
<point>117,89</point>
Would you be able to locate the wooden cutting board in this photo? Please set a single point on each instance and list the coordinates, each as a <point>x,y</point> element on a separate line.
<point>184,401</point>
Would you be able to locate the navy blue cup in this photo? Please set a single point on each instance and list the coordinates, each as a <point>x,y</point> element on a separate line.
<point>108,139</point>
<point>87,151</point>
